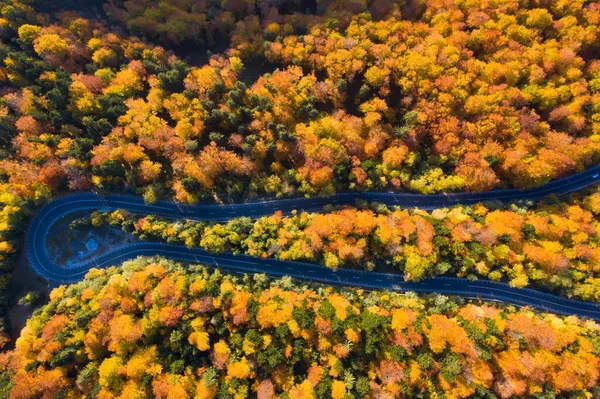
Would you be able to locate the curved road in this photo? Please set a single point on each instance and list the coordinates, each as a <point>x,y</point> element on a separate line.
<point>40,260</point>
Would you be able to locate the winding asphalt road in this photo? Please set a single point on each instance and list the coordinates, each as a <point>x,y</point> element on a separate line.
<point>40,260</point>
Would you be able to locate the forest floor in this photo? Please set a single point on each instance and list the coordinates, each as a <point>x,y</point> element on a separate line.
<point>68,246</point>
<point>23,280</point>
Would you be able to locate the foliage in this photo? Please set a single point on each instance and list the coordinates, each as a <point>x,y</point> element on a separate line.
<point>133,331</point>
<point>313,98</point>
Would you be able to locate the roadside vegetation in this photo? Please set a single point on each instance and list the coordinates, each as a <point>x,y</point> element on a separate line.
<point>154,328</point>
<point>551,246</point>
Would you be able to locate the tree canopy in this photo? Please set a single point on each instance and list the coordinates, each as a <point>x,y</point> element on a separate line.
<point>155,328</point>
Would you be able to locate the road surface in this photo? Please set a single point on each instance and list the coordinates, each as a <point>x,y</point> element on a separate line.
<point>38,254</point>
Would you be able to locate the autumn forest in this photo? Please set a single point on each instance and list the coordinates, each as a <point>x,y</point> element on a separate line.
<point>235,101</point>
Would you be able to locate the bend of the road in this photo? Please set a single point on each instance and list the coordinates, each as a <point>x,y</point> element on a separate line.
<point>40,260</point>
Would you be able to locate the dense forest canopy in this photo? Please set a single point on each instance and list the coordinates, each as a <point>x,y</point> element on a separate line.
<point>432,97</point>
<point>155,329</point>
<point>235,100</point>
